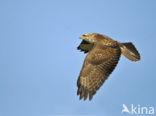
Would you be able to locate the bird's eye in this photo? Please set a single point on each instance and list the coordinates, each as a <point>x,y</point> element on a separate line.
<point>84,35</point>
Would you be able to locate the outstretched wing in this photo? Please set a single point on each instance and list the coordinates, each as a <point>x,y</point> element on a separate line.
<point>98,65</point>
<point>85,46</point>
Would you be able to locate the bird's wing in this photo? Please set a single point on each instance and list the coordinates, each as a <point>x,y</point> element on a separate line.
<point>85,46</point>
<point>98,65</point>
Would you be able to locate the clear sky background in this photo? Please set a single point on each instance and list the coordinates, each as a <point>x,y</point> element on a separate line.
<point>39,62</point>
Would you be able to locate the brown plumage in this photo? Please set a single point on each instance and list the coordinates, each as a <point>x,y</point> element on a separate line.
<point>103,56</point>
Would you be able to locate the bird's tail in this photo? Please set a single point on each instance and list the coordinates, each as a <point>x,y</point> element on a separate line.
<point>129,51</point>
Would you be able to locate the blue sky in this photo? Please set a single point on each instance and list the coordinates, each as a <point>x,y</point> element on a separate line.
<point>39,62</point>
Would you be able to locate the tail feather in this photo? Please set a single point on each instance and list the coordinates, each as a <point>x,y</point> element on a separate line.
<point>129,51</point>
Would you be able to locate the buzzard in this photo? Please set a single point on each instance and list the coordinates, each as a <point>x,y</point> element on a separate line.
<point>103,54</point>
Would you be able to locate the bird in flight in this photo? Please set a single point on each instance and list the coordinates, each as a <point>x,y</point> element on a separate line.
<point>103,54</point>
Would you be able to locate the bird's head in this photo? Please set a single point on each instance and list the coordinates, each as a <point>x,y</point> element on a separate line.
<point>90,37</point>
